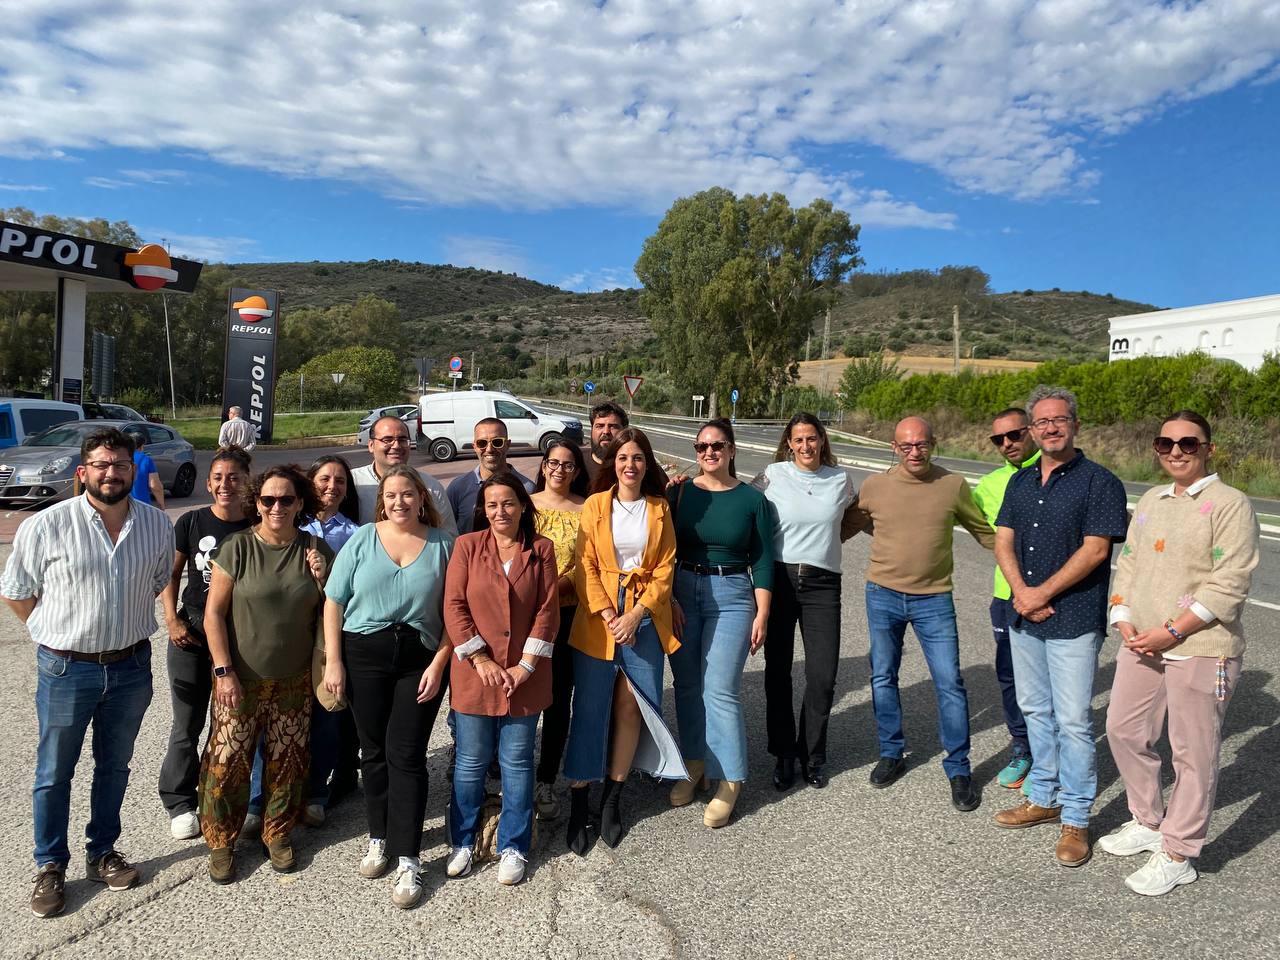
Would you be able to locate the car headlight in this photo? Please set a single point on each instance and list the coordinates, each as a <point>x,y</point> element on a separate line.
<point>56,466</point>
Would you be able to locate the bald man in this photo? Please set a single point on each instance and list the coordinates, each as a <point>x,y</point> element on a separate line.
<point>911,510</point>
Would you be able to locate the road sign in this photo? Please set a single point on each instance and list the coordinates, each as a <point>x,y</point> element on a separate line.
<point>733,395</point>
<point>733,398</point>
<point>589,387</point>
<point>338,377</point>
<point>699,397</point>
<point>456,374</point>
<point>455,363</point>
<point>632,384</point>
<point>573,386</point>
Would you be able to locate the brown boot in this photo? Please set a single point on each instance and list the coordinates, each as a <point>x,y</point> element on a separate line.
<point>720,809</point>
<point>1027,814</point>
<point>684,791</point>
<point>280,853</point>
<point>1074,849</point>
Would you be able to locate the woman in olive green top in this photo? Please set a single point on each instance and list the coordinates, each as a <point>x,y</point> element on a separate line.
<point>260,619</point>
<point>723,588</point>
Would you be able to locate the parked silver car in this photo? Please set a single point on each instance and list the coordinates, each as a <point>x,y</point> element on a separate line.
<point>408,412</point>
<point>42,469</point>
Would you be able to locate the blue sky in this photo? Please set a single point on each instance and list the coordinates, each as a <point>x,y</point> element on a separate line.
<point>1121,146</point>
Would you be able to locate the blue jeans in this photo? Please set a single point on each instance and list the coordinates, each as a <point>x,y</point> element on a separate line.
<point>69,695</point>
<point>933,618</point>
<point>707,670</point>
<point>324,757</point>
<point>1003,614</point>
<point>513,738</point>
<point>1055,687</point>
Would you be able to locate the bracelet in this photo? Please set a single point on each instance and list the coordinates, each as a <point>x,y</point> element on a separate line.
<point>1173,631</point>
<point>479,657</point>
<point>527,667</point>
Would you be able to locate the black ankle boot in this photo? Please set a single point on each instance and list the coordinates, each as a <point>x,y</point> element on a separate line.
<point>610,812</point>
<point>576,836</point>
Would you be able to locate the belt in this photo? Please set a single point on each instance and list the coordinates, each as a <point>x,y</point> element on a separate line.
<point>103,658</point>
<point>714,569</point>
<point>808,570</point>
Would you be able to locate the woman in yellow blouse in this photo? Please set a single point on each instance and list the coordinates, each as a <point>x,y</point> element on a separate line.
<point>626,559</point>
<point>559,493</point>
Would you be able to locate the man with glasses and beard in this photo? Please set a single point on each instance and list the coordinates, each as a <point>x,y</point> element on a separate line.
<point>491,445</point>
<point>1054,535</point>
<point>389,444</point>
<point>607,419</point>
<point>1011,435</point>
<point>84,576</point>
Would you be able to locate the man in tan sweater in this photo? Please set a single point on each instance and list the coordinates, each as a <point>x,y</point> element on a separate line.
<point>911,510</point>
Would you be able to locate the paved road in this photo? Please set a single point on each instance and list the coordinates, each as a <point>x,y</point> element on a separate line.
<point>845,872</point>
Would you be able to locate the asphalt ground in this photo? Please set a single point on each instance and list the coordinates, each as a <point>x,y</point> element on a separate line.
<point>849,871</point>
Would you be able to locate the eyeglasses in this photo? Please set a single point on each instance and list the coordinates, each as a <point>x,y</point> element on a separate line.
<point>393,441</point>
<point>921,445</point>
<point>715,446</point>
<point>285,502</point>
<point>497,443</point>
<point>564,466</point>
<point>1188,445</point>
<point>1012,436</point>
<point>105,465</point>
<point>1059,422</point>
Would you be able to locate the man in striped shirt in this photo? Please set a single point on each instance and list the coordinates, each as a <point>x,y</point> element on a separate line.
<point>83,577</point>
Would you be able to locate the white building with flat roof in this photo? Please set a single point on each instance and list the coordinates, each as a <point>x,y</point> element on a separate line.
<point>1240,330</point>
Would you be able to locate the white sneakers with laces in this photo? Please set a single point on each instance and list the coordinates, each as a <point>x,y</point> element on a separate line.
<point>511,867</point>
<point>185,826</point>
<point>409,888</point>
<point>1160,875</point>
<point>375,862</point>
<point>1131,838</point>
<point>459,862</point>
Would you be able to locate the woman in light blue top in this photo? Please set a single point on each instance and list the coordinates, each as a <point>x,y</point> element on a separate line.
<point>338,518</point>
<point>383,650</point>
<point>811,497</point>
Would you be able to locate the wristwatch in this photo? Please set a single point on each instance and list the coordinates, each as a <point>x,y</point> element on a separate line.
<point>220,672</point>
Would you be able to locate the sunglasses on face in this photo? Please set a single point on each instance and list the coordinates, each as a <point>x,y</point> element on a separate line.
<point>715,446</point>
<point>921,445</point>
<point>1012,436</point>
<point>1188,445</point>
<point>497,443</point>
<point>285,502</point>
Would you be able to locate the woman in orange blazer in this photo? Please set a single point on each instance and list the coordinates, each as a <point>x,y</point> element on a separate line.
<point>501,611</point>
<point>626,557</point>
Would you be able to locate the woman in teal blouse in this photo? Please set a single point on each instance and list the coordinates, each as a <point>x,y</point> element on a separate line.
<point>724,582</point>
<point>384,651</point>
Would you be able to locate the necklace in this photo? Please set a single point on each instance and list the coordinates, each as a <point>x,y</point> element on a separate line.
<point>632,509</point>
<point>803,475</point>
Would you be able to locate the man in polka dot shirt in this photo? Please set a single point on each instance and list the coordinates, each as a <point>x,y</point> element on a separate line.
<point>1054,535</point>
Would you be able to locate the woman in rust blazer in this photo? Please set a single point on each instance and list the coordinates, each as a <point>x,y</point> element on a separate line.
<point>625,566</point>
<point>501,611</point>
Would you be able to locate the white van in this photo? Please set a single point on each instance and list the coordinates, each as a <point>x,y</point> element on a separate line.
<point>22,417</point>
<point>449,422</point>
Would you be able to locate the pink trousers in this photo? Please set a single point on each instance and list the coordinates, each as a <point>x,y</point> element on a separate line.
<point>1144,691</point>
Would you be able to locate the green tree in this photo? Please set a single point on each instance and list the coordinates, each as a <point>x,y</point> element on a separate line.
<point>373,376</point>
<point>864,373</point>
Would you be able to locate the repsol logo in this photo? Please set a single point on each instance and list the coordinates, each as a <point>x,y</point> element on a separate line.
<point>1120,345</point>
<point>257,387</point>
<point>251,328</point>
<point>32,245</point>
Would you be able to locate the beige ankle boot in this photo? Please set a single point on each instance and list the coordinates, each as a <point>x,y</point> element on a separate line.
<point>683,792</point>
<point>720,809</point>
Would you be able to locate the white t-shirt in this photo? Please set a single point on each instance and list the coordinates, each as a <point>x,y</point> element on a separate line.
<point>808,505</point>
<point>630,525</point>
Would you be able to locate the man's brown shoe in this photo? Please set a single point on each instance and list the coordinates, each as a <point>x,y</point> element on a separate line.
<point>49,898</point>
<point>280,853</point>
<point>1074,849</point>
<point>113,870</point>
<point>1027,814</point>
<point>222,865</point>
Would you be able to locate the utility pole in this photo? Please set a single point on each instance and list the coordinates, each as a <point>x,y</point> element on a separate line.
<point>808,341</point>
<point>546,373</point>
<point>955,336</point>
<point>826,336</point>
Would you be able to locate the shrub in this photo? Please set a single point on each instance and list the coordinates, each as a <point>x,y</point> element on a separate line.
<point>865,374</point>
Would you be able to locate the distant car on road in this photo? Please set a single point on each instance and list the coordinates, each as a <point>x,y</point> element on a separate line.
<point>95,410</point>
<point>408,412</point>
<point>42,470</point>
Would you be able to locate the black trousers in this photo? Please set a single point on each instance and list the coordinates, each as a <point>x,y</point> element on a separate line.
<point>383,671</point>
<point>190,689</point>
<point>808,596</point>
<point>555,719</point>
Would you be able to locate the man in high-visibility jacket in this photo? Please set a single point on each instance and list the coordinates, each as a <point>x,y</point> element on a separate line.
<point>1011,435</point>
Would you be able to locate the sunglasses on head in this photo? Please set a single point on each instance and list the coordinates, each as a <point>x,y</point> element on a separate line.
<point>1012,436</point>
<point>497,443</point>
<point>286,501</point>
<point>1188,445</point>
<point>715,446</point>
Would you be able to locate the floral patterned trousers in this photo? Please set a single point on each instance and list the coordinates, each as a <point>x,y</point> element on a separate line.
<point>279,711</point>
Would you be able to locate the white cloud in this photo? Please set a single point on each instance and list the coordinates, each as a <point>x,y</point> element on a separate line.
<point>601,278</point>
<point>106,183</point>
<point>547,103</point>
<point>487,253</point>
<point>23,187</point>
<point>196,247</point>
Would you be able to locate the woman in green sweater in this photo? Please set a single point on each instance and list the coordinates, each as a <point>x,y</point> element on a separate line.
<point>1181,582</point>
<point>724,582</point>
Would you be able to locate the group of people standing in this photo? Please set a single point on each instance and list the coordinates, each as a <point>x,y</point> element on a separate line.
<point>371,594</point>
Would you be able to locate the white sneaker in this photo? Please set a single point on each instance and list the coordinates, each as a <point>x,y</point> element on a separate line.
<point>459,862</point>
<point>1161,874</point>
<point>313,815</point>
<point>185,826</point>
<point>545,802</point>
<point>374,863</point>
<point>1129,839</point>
<point>511,868</point>
<point>252,825</point>
<point>408,889</point>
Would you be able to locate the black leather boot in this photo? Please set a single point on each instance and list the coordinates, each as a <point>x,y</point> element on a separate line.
<point>576,837</point>
<point>610,812</point>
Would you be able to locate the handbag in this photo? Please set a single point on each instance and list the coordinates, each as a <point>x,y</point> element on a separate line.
<point>326,699</point>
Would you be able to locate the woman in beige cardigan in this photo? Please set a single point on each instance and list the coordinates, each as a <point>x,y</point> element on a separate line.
<point>1181,582</point>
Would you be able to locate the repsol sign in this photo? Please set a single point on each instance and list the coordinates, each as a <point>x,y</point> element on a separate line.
<point>249,376</point>
<point>148,268</point>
